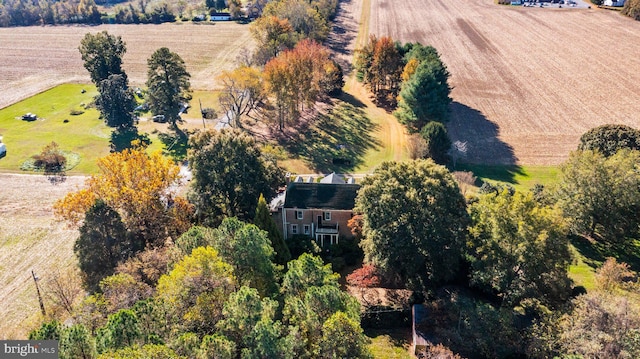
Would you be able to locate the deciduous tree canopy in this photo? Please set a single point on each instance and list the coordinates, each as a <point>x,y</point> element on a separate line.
<point>300,77</point>
<point>519,249</point>
<point>601,195</point>
<point>243,92</point>
<point>414,222</point>
<point>608,139</point>
<point>229,174</point>
<point>140,188</point>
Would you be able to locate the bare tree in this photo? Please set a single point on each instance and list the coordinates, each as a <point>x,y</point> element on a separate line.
<point>63,288</point>
<point>417,146</point>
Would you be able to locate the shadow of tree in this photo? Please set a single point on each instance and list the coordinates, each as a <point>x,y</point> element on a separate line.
<point>343,33</point>
<point>595,252</point>
<point>175,144</point>
<point>122,139</point>
<point>56,178</point>
<point>350,99</point>
<point>335,142</point>
<point>502,173</point>
<point>478,144</point>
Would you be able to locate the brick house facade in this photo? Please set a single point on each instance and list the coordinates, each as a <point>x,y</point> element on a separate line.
<point>318,210</point>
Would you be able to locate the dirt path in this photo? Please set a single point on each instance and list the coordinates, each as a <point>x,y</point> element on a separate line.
<point>527,82</point>
<point>350,31</point>
<point>30,239</point>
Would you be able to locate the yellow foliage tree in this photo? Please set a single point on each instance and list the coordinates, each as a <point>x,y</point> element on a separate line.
<point>140,187</point>
<point>195,291</point>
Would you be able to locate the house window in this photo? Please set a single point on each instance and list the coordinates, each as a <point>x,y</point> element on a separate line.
<point>307,229</point>
<point>327,216</point>
<point>294,229</point>
<point>298,214</point>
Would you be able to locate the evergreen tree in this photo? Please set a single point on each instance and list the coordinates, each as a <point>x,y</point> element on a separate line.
<point>116,102</point>
<point>102,55</point>
<point>102,244</point>
<point>264,221</point>
<point>168,84</point>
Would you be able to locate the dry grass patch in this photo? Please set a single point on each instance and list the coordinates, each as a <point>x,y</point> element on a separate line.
<point>30,239</point>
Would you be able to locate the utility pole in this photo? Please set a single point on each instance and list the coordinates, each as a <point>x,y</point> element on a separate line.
<point>35,280</point>
<point>202,113</point>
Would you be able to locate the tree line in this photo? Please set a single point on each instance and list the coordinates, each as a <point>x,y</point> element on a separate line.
<point>412,80</point>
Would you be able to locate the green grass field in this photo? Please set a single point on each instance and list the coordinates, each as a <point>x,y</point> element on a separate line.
<point>521,178</point>
<point>84,134</point>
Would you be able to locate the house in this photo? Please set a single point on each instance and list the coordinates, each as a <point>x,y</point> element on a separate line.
<point>614,2</point>
<point>319,210</point>
<point>220,16</point>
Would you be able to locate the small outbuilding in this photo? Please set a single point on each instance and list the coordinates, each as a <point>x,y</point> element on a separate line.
<point>220,16</point>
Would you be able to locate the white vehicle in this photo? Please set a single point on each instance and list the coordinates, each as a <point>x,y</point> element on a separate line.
<point>3,149</point>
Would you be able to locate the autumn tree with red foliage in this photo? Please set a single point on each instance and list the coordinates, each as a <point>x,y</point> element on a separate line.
<point>366,276</point>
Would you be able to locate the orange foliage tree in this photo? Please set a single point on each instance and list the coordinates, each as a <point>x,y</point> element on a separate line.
<point>141,188</point>
<point>379,64</point>
<point>300,77</point>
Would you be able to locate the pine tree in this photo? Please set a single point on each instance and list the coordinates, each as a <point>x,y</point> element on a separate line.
<point>264,221</point>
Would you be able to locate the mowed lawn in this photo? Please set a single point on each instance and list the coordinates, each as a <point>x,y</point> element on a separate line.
<point>84,134</point>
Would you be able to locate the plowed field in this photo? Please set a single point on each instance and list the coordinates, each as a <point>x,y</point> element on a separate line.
<point>527,82</point>
<point>33,59</point>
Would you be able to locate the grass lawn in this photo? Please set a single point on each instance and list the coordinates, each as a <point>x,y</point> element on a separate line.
<point>84,134</point>
<point>580,272</point>
<point>390,343</point>
<point>520,177</point>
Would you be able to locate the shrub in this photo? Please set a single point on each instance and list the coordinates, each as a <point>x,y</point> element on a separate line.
<point>50,159</point>
<point>613,274</point>
<point>632,9</point>
<point>366,276</point>
<point>209,113</point>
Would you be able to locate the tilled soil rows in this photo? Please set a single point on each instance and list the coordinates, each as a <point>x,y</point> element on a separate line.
<point>527,82</point>
<point>33,59</point>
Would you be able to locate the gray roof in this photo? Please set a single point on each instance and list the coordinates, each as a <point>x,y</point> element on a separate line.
<point>321,195</point>
<point>333,178</point>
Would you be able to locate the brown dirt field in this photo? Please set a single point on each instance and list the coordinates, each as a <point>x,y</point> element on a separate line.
<point>527,82</point>
<point>30,239</point>
<point>33,59</point>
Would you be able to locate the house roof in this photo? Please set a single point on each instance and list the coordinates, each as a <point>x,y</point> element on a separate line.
<point>333,178</point>
<point>321,195</point>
